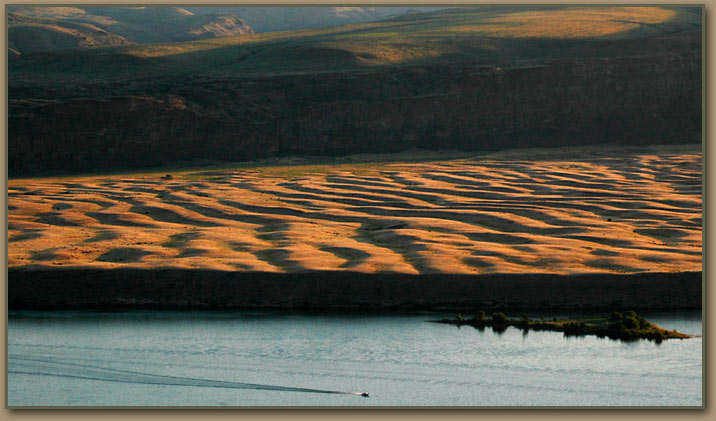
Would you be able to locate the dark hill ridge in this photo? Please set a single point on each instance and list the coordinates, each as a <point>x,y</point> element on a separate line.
<point>472,79</point>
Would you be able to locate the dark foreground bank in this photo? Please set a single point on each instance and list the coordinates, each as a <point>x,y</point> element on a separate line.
<point>210,289</point>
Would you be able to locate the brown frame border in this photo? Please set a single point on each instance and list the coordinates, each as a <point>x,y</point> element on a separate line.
<point>452,413</point>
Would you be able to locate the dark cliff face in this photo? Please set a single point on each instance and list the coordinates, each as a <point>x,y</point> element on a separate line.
<point>629,100</point>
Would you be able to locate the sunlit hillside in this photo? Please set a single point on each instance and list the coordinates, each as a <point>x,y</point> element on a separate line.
<point>474,78</point>
<point>34,29</point>
<point>452,35</point>
<point>38,29</point>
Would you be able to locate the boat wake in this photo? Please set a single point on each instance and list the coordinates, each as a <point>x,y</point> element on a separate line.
<point>48,367</point>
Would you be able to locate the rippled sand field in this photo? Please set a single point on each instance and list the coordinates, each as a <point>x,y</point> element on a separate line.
<point>579,210</point>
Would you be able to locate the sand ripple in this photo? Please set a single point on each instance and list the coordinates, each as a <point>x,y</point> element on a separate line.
<point>578,212</point>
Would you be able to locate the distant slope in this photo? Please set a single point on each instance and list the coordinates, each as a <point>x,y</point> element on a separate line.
<point>272,19</point>
<point>33,29</point>
<point>29,34</point>
<point>487,35</point>
<point>474,78</point>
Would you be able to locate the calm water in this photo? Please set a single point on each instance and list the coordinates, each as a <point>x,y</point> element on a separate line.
<point>223,358</point>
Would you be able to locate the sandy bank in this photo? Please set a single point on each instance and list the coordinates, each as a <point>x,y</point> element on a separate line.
<point>610,210</point>
<point>214,289</point>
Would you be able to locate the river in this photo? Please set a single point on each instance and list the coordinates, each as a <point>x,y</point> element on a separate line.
<point>269,358</point>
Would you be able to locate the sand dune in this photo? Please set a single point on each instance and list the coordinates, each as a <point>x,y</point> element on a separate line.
<point>578,210</point>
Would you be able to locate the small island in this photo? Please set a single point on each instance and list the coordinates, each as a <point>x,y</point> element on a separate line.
<point>627,327</point>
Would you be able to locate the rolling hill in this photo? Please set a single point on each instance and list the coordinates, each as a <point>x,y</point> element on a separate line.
<point>272,19</point>
<point>35,29</point>
<point>479,78</point>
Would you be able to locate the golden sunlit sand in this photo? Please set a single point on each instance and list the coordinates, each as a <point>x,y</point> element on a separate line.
<point>569,211</point>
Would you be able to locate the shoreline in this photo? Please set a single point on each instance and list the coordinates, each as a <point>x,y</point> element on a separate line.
<point>187,289</point>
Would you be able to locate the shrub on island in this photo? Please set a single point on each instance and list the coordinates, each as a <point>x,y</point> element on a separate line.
<point>500,318</point>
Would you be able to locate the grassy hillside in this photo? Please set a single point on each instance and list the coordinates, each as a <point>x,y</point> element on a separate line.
<point>462,78</point>
<point>272,19</point>
<point>487,35</point>
<point>32,34</point>
<point>34,29</point>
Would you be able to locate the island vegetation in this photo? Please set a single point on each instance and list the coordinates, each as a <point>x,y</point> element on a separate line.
<point>627,327</point>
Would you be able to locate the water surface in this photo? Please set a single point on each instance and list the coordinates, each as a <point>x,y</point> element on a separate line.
<point>247,358</point>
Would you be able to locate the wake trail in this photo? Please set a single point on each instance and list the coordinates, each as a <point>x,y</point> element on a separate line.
<point>46,367</point>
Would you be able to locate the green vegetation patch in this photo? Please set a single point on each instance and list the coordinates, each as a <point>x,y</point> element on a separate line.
<point>626,327</point>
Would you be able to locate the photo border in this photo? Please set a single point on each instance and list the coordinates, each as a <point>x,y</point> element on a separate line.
<point>140,413</point>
